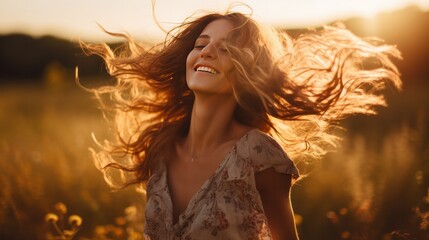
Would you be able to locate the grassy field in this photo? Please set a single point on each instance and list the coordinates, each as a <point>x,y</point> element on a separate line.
<point>374,187</point>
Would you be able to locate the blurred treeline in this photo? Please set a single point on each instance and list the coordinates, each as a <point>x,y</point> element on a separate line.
<point>374,187</point>
<point>25,58</point>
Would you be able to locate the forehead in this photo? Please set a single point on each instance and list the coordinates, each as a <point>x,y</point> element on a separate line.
<point>217,29</point>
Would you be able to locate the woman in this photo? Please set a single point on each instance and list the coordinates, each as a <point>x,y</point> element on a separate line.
<point>198,115</point>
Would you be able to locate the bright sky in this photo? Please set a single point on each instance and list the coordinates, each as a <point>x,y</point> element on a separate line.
<point>74,19</point>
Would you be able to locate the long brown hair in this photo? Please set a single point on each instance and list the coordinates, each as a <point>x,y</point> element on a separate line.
<point>294,89</point>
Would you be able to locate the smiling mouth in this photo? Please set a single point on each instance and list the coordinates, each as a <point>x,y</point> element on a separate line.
<point>206,69</point>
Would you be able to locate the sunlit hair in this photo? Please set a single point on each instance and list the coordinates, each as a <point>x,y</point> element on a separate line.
<point>294,89</point>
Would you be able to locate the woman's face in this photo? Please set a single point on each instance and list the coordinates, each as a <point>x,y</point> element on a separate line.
<point>209,63</point>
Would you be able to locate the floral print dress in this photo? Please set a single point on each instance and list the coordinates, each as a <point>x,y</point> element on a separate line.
<point>228,205</point>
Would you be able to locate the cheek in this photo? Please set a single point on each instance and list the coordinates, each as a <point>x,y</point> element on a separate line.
<point>190,59</point>
<point>227,65</point>
<point>187,64</point>
<point>229,69</point>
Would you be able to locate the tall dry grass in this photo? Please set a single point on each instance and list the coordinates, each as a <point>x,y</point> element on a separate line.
<point>44,159</point>
<point>374,187</point>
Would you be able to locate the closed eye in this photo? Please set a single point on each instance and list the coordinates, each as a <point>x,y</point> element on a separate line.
<point>199,46</point>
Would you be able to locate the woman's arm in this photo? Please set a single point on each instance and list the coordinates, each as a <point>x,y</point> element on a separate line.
<point>274,189</point>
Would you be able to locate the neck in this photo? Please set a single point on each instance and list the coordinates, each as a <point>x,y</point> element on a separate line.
<point>211,121</point>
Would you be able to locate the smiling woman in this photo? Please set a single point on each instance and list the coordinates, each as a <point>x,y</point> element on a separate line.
<point>198,115</point>
<point>209,64</point>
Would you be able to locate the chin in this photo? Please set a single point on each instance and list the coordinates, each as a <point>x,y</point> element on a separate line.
<point>199,86</point>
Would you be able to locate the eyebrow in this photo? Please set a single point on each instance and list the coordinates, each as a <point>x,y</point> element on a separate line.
<point>208,37</point>
<point>203,36</point>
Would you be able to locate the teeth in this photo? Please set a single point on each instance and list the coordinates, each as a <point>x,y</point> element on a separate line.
<point>206,69</point>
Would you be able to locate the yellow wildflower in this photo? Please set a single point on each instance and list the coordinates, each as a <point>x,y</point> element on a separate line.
<point>51,217</point>
<point>61,208</point>
<point>75,220</point>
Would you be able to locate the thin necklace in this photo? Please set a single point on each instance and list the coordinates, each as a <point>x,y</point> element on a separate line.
<point>194,157</point>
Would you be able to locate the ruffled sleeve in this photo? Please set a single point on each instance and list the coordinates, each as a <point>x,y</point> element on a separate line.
<point>265,152</point>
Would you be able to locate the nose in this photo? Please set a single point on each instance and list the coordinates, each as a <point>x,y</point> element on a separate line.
<point>209,51</point>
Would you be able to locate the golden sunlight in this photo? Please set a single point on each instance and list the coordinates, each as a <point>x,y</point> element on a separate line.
<point>78,19</point>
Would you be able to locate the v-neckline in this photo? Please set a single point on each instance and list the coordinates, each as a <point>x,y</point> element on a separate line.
<point>196,195</point>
